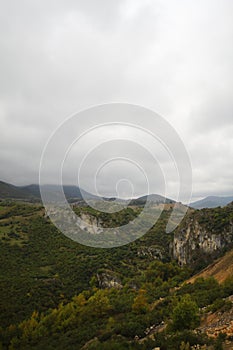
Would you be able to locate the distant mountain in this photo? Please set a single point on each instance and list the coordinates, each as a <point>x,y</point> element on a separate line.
<point>70,191</point>
<point>155,198</point>
<point>8,191</point>
<point>211,202</point>
<point>30,192</point>
<point>73,193</point>
<point>33,190</point>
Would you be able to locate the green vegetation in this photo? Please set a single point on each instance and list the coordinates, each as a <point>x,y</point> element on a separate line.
<point>57,294</point>
<point>214,220</point>
<point>186,314</point>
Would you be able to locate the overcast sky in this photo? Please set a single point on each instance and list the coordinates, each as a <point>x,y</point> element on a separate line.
<point>172,56</point>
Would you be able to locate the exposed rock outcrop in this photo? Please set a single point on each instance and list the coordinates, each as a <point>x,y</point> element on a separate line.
<point>196,237</point>
<point>90,223</point>
<point>218,322</point>
<point>108,279</point>
<point>151,252</point>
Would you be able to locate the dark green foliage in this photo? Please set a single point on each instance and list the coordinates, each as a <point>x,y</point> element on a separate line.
<point>215,219</point>
<point>51,296</point>
<point>204,291</point>
<point>221,305</point>
<point>228,286</point>
<point>219,341</point>
<point>185,314</point>
<point>173,341</point>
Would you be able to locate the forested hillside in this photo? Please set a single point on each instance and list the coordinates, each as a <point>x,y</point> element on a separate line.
<point>57,294</point>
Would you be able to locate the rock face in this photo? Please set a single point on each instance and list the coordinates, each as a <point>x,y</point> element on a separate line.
<point>90,223</point>
<point>108,279</point>
<point>194,240</point>
<point>85,221</point>
<point>150,252</point>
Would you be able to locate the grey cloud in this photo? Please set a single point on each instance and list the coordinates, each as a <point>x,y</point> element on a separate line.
<point>173,56</point>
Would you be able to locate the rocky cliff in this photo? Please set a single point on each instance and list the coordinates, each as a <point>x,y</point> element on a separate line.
<point>109,279</point>
<point>203,235</point>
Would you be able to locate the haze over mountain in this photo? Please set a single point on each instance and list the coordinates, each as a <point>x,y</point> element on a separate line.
<point>212,202</point>
<point>29,192</point>
<point>8,191</point>
<point>14,192</point>
<point>72,192</point>
<point>168,56</point>
<point>155,198</point>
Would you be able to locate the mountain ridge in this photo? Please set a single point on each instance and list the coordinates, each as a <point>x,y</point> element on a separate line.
<point>32,191</point>
<point>211,202</point>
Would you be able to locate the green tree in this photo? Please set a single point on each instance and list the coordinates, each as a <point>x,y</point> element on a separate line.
<point>140,304</point>
<point>185,314</point>
<point>99,303</point>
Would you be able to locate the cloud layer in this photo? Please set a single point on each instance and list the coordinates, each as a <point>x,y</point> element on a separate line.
<point>173,56</point>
